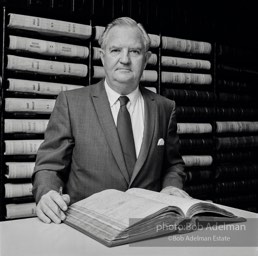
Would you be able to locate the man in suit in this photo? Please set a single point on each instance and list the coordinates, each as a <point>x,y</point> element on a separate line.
<point>83,151</point>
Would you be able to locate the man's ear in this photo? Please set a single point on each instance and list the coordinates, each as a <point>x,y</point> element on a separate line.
<point>101,51</point>
<point>147,56</point>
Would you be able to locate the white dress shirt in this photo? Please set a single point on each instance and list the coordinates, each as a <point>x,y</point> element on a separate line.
<point>135,107</point>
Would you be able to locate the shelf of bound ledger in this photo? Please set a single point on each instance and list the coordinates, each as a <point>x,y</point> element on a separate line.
<point>150,75</point>
<point>187,78</point>
<point>236,128</point>
<point>29,95</point>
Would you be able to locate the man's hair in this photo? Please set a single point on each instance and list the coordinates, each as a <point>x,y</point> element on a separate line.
<point>125,21</point>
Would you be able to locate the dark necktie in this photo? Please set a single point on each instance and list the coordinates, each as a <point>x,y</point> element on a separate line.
<point>125,132</point>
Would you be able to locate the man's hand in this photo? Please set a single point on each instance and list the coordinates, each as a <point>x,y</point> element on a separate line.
<point>52,206</point>
<point>170,190</point>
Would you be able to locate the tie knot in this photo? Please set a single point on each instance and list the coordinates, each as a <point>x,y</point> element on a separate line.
<point>123,100</point>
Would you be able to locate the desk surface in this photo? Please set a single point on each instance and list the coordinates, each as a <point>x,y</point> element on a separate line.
<point>31,237</point>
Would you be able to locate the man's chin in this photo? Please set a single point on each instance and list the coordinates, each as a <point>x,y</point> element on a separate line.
<point>125,79</point>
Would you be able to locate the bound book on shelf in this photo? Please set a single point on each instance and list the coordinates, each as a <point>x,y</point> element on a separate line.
<point>21,147</point>
<point>197,160</point>
<point>39,87</point>
<point>37,126</point>
<point>189,95</point>
<point>19,170</point>
<point>236,142</point>
<point>42,106</point>
<point>22,210</point>
<point>46,67</point>
<point>169,61</point>
<point>114,217</point>
<point>241,126</point>
<point>18,190</point>
<point>184,45</point>
<point>183,128</point>
<point>185,78</point>
<point>47,47</point>
<point>49,26</point>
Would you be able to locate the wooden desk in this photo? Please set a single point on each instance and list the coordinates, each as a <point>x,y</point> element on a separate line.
<point>31,237</point>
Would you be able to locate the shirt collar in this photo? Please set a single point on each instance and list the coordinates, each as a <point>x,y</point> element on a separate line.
<point>113,95</point>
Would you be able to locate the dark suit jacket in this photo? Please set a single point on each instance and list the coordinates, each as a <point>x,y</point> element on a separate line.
<point>82,153</point>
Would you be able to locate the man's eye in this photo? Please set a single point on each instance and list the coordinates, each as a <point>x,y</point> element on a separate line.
<point>115,50</point>
<point>135,52</point>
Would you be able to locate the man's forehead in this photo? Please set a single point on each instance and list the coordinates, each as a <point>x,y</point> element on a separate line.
<point>114,39</point>
<point>118,44</point>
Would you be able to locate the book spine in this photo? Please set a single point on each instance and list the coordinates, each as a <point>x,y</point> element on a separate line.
<point>182,45</point>
<point>98,32</point>
<point>24,210</point>
<point>149,76</point>
<point>25,125</point>
<point>236,142</point>
<point>185,78</point>
<point>199,176</point>
<point>153,60</point>
<point>22,147</point>
<point>229,84</point>
<point>189,95</point>
<point>229,53</point>
<point>194,128</point>
<point>29,105</point>
<point>154,41</point>
<point>194,145</point>
<point>238,171</point>
<point>234,126</point>
<point>236,98</point>
<point>98,72</point>
<point>47,47</point>
<point>191,113</point>
<point>18,190</point>
<point>19,170</point>
<point>225,157</point>
<point>233,113</point>
<point>197,160</point>
<point>223,68</point>
<point>39,87</point>
<point>95,53</point>
<point>168,61</point>
<point>49,26</point>
<point>234,200</point>
<point>46,66</point>
<point>236,187</point>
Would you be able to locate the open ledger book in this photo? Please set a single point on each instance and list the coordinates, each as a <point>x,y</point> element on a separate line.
<point>114,217</point>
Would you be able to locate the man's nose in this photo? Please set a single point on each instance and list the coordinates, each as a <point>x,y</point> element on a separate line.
<point>125,57</point>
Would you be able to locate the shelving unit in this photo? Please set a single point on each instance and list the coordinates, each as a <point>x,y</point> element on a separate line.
<point>41,57</point>
<point>187,78</point>
<point>236,132</point>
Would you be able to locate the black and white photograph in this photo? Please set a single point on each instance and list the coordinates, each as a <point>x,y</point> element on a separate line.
<point>128,127</point>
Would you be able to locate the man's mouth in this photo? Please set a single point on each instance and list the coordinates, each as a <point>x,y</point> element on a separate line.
<point>124,69</point>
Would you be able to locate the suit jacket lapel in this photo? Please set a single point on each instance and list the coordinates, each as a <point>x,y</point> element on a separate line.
<point>150,112</point>
<point>101,103</point>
